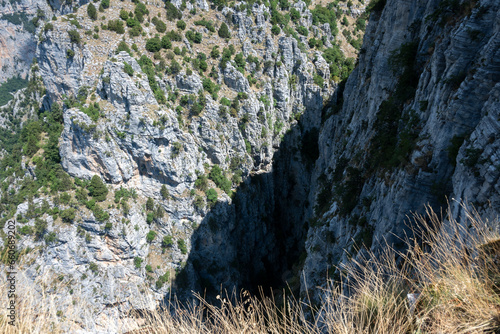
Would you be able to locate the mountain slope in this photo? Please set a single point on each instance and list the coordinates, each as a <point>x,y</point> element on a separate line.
<point>195,157</point>
<point>416,122</point>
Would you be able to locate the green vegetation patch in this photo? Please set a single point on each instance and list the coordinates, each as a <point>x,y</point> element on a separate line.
<point>10,86</point>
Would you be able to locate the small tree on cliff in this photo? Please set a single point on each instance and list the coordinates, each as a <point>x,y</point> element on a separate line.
<point>224,31</point>
<point>92,12</point>
<point>97,189</point>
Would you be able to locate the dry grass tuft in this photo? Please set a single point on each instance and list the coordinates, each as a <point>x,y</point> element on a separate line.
<point>446,282</point>
<point>452,276</point>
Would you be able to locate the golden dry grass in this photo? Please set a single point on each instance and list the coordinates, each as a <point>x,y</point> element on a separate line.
<point>453,273</point>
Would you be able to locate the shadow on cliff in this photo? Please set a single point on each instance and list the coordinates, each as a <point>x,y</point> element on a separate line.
<point>258,239</point>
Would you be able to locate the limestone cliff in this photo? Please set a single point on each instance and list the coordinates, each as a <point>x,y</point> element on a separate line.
<point>415,123</point>
<point>18,23</point>
<point>248,157</point>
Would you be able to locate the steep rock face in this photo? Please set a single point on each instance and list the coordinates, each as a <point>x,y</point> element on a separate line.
<point>63,74</point>
<point>416,122</point>
<point>17,31</point>
<point>311,171</point>
<point>116,128</point>
<point>16,53</point>
<point>320,169</point>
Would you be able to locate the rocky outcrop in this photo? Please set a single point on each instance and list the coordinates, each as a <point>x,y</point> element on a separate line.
<point>235,80</point>
<point>122,90</point>
<point>431,72</point>
<point>121,133</point>
<point>62,73</point>
<point>16,54</point>
<point>263,175</point>
<point>189,83</point>
<point>17,31</point>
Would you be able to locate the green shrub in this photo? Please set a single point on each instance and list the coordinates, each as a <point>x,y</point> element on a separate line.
<point>211,196</point>
<point>219,179</point>
<point>294,15</point>
<point>201,182</point>
<point>25,230</point>
<point>93,111</point>
<point>162,280</point>
<point>138,262</point>
<point>93,267</point>
<point>199,202</point>
<point>159,25</point>
<point>150,236</point>
<point>148,68</point>
<point>164,192</point>
<point>181,25</point>
<point>240,61</point>
<point>242,96</point>
<point>116,26</point>
<point>128,69</point>
<point>322,15</point>
<point>70,53</point>
<point>40,228</point>
<point>10,86</point>
<point>172,12</point>
<point>215,53</point>
<point>100,214</point>
<point>199,105</point>
<point>224,31</point>
<point>279,19</point>
<point>284,4</point>
<point>302,30</point>
<point>210,86</point>
<point>90,204</point>
<point>150,204</point>
<point>167,241</point>
<point>275,29</point>
<point>166,43</point>
<point>135,31</point>
<point>207,24</point>
<point>174,36</point>
<point>318,80</point>
<point>97,189</point>
<point>182,246</point>
<point>122,46</point>
<point>361,24</point>
<point>131,23</point>
<point>68,215</point>
<point>123,14</point>
<point>356,43</point>
<point>194,37</point>
<point>92,12</point>
<point>48,27</point>
<point>74,36</point>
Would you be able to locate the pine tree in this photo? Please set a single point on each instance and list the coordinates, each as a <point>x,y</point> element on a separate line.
<point>224,31</point>
<point>105,4</point>
<point>164,192</point>
<point>92,12</point>
<point>150,204</point>
<point>97,189</point>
